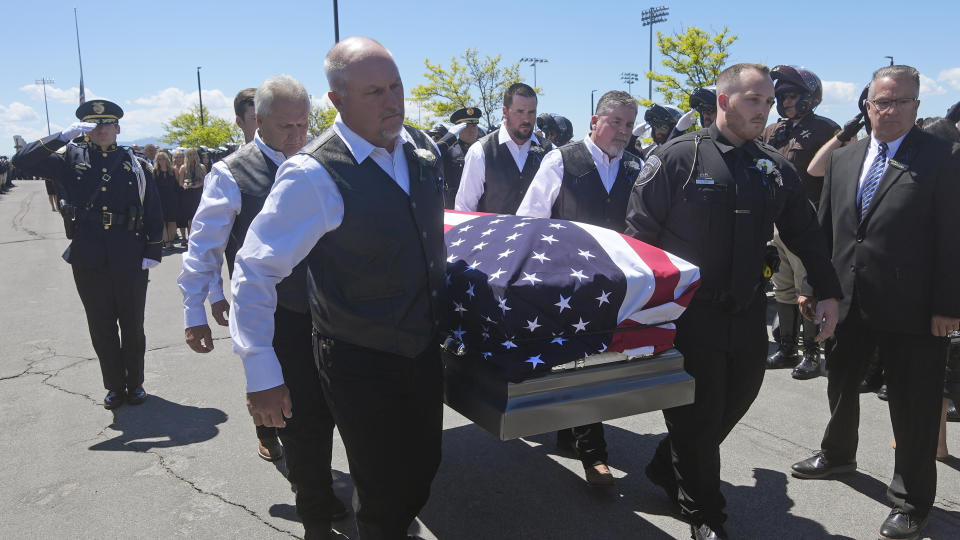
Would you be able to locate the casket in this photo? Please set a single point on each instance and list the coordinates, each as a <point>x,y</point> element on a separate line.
<point>601,387</point>
<point>555,324</point>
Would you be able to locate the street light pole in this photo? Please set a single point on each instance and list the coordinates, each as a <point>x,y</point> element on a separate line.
<point>592,92</point>
<point>629,78</point>
<point>336,23</point>
<point>200,95</point>
<point>534,62</point>
<point>651,17</point>
<point>891,59</point>
<point>44,82</point>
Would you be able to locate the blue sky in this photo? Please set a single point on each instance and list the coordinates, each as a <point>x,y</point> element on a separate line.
<point>144,56</point>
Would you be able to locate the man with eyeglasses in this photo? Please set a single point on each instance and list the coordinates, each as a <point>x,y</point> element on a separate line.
<point>798,134</point>
<point>889,210</point>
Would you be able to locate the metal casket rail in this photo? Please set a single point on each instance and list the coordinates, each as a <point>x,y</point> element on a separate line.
<point>608,386</point>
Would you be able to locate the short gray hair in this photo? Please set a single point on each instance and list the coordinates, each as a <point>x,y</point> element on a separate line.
<point>613,99</point>
<point>283,85</point>
<point>897,72</point>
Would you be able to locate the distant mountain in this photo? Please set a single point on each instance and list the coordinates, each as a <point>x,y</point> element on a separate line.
<point>143,142</point>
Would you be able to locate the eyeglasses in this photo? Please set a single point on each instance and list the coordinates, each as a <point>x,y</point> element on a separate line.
<point>884,104</point>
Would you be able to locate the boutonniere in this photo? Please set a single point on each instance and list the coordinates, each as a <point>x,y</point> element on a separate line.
<point>632,165</point>
<point>426,157</point>
<point>768,169</point>
<point>536,150</point>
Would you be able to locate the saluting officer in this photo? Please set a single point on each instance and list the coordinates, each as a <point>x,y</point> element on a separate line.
<point>453,148</point>
<point>713,197</point>
<point>112,214</point>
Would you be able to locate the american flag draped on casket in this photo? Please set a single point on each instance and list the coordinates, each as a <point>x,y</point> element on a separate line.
<point>528,294</point>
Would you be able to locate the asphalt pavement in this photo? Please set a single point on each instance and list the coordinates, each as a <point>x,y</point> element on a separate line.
<point>184,464</point>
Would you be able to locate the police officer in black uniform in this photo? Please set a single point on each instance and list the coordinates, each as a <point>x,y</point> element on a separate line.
<point>712,197</point>
<point>661,121</point>
<point>453,147</point>
<point>112,214</point>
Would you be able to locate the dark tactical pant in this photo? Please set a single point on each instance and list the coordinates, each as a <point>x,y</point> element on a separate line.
<point>591,445</point>
<point>913,366</point>
<point>114,300</point>
<point>308,437</point>
<point>726,354</point>
<point>389,410</point>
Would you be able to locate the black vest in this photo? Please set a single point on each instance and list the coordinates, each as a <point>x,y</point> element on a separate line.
<point>453,156</point>
<point>377,280</point>
<point>582,196</point>
<point>254,173</point>
<point>504,186</point>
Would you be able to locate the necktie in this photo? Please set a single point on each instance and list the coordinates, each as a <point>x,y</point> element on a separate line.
<point>872,181</point>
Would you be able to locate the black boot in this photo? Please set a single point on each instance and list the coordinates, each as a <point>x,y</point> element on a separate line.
<point>809,367</point>
<point>786,356</point>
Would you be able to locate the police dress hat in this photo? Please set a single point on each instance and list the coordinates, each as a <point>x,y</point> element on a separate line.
<point>100,111</point>
<point>468,115</point>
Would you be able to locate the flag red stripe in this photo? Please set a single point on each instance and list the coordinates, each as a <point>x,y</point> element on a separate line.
<point>666,274</point>
<point>660,338</point>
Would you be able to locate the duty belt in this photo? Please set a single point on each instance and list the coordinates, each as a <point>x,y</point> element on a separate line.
<point>106,219</point>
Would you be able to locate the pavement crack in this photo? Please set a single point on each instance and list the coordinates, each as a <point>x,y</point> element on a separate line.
<point>198,489</point>
<point>18,218</point>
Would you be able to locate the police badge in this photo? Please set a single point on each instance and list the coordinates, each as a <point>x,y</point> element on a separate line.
<point>649,170</point>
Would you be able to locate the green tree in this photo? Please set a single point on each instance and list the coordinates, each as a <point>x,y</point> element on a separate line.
<point>469,75</point>
<point>186,130</point>
<point>320,119</point>
<point>695,58</point>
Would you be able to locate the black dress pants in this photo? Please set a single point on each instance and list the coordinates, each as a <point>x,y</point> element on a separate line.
<point>725,353</point>
<point>308,437</point>
<point>591,445</point>
<point>114,300</point>
<point>913,366</point>
<point>389,410</point>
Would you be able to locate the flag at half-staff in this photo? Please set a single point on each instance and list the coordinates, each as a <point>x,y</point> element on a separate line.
<point>528,294</point>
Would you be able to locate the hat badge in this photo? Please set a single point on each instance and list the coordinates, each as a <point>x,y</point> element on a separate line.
<point>98,108</point>
<point>470,110</point>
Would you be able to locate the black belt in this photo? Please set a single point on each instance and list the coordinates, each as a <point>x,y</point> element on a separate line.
<point>106,219</point>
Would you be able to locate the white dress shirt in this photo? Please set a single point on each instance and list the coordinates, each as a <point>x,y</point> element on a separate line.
<point>219,206</point>
<point>474,169</point>
<point>545,186</point>
<point>303,205</point>
<point>872,152</point>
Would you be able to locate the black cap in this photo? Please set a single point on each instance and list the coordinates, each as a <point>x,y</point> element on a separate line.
<point>469,115</point>
<point>100,111</point>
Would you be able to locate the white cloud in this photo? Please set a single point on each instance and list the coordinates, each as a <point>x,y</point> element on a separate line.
<point>17,112</point>
<point>59,95</point>
<point>951,77</point>
<point>929,87</point>
<point>838,92</point>
<point>145,116</point>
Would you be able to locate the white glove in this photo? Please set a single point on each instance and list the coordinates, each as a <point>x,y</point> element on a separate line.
<point>75,130</point>
<point>148,264</point>
<point>454,131</point>
<point>641,130</point>
<point>685,121</point>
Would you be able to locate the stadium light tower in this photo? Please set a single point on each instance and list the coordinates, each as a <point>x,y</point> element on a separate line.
<point>629,78</point>
<point>533,63</point>
<point>44,82</point>
<point>651,17</point>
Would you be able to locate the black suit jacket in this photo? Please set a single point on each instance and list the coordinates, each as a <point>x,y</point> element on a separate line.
<point>901,259</point>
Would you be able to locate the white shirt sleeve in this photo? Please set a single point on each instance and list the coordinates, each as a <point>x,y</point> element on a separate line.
<point>219,206</point>
<point>303,205</point>
<point>544,188</point>
<point>472,179</point>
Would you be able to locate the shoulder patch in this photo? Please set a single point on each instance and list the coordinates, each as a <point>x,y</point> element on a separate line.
<point>649,170</point>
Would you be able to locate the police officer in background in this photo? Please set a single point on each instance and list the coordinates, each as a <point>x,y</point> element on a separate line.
<point>555,128</point>
<point>798,134</point>
<point>499,167</point>
<point>712,197</point>
<point>660,121</point>
<point>112,214</point>
<point>453,148</point>
<point>589,181</point>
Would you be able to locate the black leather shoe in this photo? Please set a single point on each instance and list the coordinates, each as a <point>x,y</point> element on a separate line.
<point>953,415</point>
<point>785,357</point>
<point>706,532</point>
<point>663,477</point>
<point>819,466</point>
<point>882,393</point>
<point>136,396</point>
<point>113,400</point>
<point>900,525</point>
<point>808,368</point>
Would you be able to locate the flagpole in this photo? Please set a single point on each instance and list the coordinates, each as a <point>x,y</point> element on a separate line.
<point>79,58</point>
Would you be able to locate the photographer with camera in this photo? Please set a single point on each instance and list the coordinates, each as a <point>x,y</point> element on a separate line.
<point>112,214</point>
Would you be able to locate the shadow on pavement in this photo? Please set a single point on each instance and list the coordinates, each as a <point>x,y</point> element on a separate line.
<point>342,487</point>
<point>159,423</point>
